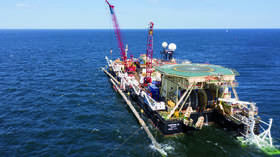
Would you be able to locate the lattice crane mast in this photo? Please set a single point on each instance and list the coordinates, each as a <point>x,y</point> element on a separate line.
<point>149,54</point>
<point>118,35</point>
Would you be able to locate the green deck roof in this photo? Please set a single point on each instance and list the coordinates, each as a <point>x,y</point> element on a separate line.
<point>193,70</point>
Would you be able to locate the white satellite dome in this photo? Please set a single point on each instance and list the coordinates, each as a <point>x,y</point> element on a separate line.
<point>172,47</point>
<point>164,45</point>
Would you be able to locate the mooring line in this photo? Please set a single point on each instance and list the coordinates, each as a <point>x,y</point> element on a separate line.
<point>140,120</point>
<point>126,140</point>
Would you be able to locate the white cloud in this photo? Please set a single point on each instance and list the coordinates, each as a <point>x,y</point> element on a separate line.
<point>24,5</point>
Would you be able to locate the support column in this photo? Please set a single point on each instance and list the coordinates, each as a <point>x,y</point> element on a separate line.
<point>184,95</point>
<point>234,92</point>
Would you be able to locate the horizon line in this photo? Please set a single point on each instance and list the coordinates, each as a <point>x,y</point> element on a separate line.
<point>138,28</point>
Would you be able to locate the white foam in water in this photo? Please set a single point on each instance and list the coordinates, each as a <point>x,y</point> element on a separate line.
<point>95,130</point>
<point>160,150</point>
<point>168,148</point>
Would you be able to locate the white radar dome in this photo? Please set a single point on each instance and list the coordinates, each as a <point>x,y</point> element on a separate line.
<point>164,44</point>
<point>172,47</point>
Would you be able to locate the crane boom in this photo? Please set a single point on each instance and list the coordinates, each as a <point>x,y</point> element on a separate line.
<point>149,55</point>
<point>118,33</point>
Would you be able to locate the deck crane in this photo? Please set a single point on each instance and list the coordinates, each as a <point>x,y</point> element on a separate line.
<point>118,35</point>
<point>149,54</point>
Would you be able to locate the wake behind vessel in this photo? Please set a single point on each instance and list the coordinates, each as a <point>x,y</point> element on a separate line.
<point>183,97</point>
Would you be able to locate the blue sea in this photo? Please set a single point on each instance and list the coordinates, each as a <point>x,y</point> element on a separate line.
<point>55,100</point>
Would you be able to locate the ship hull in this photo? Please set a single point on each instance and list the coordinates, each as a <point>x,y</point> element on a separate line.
<point>171,127</point>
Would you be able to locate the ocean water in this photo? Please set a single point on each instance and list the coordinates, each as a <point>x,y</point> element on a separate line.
<point>55,100</point>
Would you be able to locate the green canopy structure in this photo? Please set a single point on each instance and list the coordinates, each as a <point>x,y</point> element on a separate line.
<point>193,70</point>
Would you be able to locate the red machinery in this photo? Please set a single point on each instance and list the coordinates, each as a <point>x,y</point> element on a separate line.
<point>118,34</point>
<point>149,54</point>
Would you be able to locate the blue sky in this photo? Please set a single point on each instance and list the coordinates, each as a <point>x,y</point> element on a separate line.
<point>71,14</point>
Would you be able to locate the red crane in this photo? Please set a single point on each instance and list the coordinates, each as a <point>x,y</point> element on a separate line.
<point>149,54</point>
<point>118,34</point>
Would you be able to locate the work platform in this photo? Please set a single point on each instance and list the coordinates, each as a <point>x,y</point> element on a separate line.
<point>194,70</point>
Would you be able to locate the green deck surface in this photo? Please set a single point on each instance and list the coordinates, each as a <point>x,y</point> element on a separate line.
<point>193,70</point>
